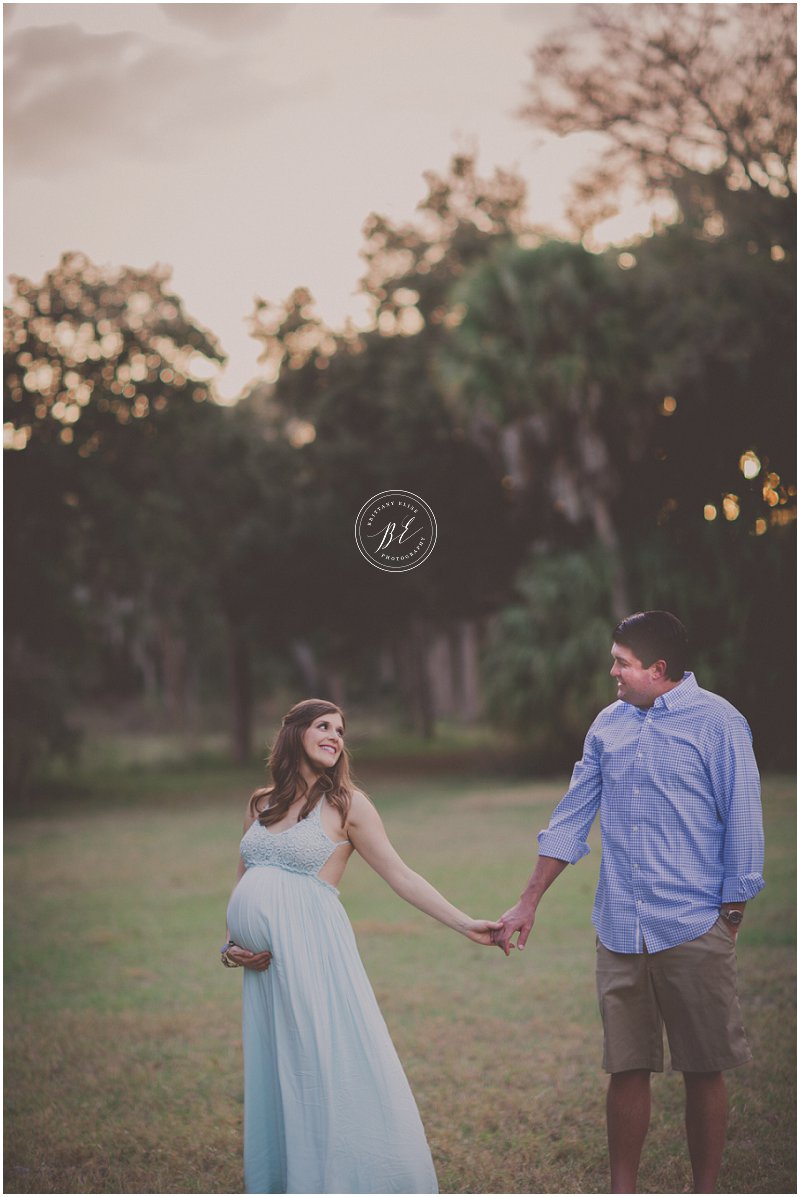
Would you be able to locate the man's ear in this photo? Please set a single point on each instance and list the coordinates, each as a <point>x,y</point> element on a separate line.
<point>659,671</point>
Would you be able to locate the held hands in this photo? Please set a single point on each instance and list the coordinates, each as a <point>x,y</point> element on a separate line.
<point>519,918</point>
<point>241,957</point>
<point>482,931</point>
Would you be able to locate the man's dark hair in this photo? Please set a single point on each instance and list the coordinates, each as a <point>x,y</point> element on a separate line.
<point>655,636</point>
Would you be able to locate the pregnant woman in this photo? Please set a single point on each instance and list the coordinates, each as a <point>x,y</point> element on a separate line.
<point>327,1105</point>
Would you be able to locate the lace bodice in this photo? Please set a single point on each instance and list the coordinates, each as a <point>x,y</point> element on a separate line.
<point>302,848</point>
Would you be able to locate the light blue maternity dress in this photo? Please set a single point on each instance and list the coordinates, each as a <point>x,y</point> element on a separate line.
<point>327,1107</point>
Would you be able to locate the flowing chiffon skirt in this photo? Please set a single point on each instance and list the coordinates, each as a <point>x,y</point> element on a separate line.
<point>327,1106</point>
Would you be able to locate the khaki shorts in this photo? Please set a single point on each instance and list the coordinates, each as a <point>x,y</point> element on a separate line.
<point>689,989</point>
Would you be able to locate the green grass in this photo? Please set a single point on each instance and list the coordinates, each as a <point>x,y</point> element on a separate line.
<point>123,1056</point>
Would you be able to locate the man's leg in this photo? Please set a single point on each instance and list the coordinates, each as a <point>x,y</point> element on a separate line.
<point>706,1121</point>
<point>627,1119</point>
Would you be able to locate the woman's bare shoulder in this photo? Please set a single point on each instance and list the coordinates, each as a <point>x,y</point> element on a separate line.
<point>361,805</point>
<point>360,797</point>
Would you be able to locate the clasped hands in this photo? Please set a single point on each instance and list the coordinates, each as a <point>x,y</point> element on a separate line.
<point>243,958</point>
<point>519,919</point>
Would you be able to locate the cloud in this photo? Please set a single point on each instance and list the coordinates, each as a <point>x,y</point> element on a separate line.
<point>227,21</point>
<point>412,10</point>
<point>75,98</point>
<point>546,16</point>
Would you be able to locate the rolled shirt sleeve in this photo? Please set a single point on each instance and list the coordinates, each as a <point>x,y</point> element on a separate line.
<point>737,789</point>
<point>677,791</point>
<point>566,834</point>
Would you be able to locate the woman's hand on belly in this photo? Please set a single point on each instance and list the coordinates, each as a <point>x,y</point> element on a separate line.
<point>258,961</point>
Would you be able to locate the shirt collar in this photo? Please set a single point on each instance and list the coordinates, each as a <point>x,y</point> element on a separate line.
<point>680,694</point>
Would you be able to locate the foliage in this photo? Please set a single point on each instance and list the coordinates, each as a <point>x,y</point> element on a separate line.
<point>37,723</point>
<point>101,368</point>
<point>91,351</point>
<point>622,417</point>
<point>365,413</point>
<point>546,347</point>
<point>717,315</point>
<point>539,325</point>
<point>739,607</point>
<point>370,420</point>
<point>676,94</point>
<point>642,398</point>
<point>411,266</point>
<point>546,664</point>
<point>714,528</point>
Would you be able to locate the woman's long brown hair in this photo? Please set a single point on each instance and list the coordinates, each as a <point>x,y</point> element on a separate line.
<point>285,759</point>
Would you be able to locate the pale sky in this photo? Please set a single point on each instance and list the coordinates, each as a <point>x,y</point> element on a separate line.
<point>245,145</point>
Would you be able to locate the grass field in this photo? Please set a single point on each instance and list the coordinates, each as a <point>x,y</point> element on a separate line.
<point>123,1055</point>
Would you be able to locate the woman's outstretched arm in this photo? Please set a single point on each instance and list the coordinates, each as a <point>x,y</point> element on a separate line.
<point>368,836</point>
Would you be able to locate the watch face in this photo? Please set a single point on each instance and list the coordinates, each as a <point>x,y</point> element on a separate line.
<point>734,916</point>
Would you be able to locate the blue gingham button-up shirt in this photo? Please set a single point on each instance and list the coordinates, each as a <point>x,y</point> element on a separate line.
<point>678,792</point>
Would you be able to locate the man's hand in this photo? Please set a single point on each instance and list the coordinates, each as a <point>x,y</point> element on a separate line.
<point>258,961</point>
<point>482,931</point>
<point>727,908</point>
<point>519,918</point>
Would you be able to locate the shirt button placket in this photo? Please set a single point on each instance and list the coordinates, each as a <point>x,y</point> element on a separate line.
<point>636,823</point>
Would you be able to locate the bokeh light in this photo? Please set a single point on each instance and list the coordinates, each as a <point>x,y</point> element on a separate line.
<point>749,464</point>
<point>730,507</point>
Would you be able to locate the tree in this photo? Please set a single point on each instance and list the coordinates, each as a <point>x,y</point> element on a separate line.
<point>92,351</point>
<point>546,661</point>
<point>99,366</point>
<point>241,523</point>
<point>546,353</point>
<point>681,96</point>
<point>365,415</point>
<point>718,318</point>
<point>714,529</point>
<point>647,394</point>
<point>411,266</point>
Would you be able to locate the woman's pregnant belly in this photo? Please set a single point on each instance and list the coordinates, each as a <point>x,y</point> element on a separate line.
<point>253,905</point>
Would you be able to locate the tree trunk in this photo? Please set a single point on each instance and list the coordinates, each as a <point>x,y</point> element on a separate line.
<point>580,473</point>
<point>595,468</point>
<point>241,693</point>
<point>606,534</point>
<point>422,693</point>
<point>334,688</point>
<point>144,660</point>
<point>307,662</point>
<point>469,673</point>
<point>410,653</point>
<point>442,677</point>
<point>173,665</point>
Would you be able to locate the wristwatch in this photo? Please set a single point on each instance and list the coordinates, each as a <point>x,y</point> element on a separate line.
<point>734,917</point>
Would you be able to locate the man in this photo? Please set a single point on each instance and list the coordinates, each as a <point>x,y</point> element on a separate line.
<point>670,767</point>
